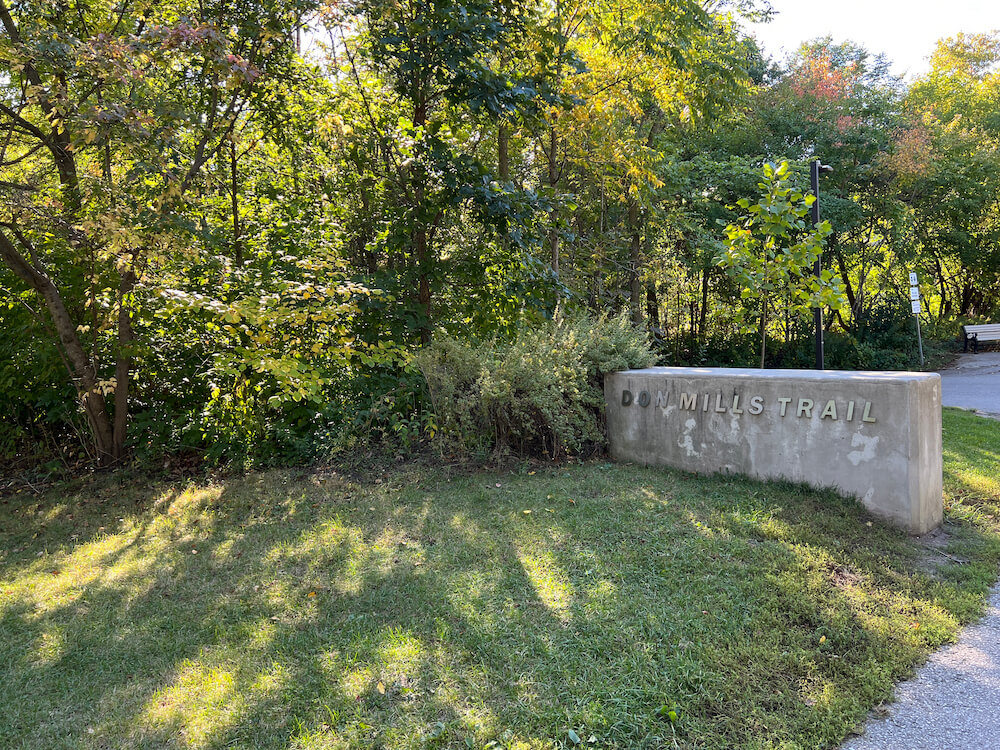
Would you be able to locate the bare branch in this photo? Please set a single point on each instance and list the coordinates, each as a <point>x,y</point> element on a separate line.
<point>386,148</point>
<point>16,185</point>
<point>25,125</point>
<point>22,157</point>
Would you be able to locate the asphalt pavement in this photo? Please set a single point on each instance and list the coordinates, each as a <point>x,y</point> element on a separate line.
<point>973,382</point>
<point>953,703</point>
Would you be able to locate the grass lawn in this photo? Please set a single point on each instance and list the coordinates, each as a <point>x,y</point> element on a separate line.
<point>531,609</point>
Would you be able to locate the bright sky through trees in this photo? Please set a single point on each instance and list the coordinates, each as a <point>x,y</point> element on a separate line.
<point>905,30</point>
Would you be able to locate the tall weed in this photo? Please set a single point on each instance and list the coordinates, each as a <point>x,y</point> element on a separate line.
<point>541,394</point>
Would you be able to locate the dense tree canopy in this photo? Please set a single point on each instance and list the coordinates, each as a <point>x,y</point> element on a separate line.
<point>227,227</point>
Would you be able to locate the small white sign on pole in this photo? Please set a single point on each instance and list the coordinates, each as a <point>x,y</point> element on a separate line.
<point>915,308</point>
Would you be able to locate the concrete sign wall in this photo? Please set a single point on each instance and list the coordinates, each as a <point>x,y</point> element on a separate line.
<point>874,435</point>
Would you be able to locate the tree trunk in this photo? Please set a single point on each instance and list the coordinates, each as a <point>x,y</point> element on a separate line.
<point>968,294</point>
<point>421,245</point>
<point>852,299</point>
<point>80,366</point>
<point>652,305</point>
<point>703,313</point>
<point>123,363</point>
<point>763,330</point>
<point>234,190</point>
<point>945,299</point>
<point>552,157</point>
<point>635,290</point>
<point>362,253</point>
<point>503,159</point>
<point>422,256</point>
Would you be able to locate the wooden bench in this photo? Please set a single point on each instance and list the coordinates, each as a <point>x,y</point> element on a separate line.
<point>975,334</point>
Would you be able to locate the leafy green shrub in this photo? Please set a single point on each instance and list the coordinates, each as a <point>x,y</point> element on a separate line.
<point>541,394</point>
<point>40,418</point>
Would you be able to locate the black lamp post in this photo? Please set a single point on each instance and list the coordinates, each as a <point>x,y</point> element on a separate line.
<point>814,170</point>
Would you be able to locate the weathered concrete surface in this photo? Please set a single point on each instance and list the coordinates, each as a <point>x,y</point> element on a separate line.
<point>874,435</point>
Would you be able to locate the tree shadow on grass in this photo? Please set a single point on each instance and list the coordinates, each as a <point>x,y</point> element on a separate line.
<point>274,612</point>
<point>255,627</point>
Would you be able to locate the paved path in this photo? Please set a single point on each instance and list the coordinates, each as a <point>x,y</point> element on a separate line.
<point>973,382</point>
<point>954,701</point>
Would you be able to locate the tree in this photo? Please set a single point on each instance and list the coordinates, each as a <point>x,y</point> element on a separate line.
<point>649,74</point>
<point>947,168</point>
<point>839,103</point>
<point>108,118</point>
<point>428,74</point>
<point>772,250</point>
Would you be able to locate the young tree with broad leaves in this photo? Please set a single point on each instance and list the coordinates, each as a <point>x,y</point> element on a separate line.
<point>772,249</point>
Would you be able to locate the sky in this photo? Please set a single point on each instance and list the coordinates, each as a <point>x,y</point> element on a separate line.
<point>905,30</point>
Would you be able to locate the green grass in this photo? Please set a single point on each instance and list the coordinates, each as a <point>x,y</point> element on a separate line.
<point>287,610</point>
